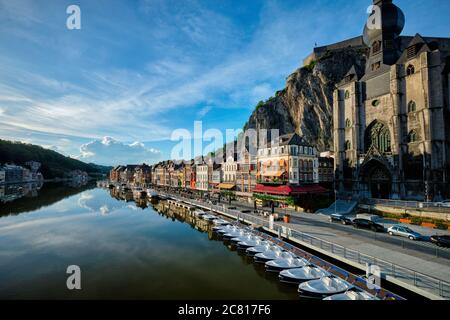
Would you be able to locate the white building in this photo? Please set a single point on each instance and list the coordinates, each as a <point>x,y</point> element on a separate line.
<point>202,177</point>
<point>290,160</point>
<point>229,169</point>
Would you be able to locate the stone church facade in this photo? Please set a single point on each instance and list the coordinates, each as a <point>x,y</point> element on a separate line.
<point>392,123</point>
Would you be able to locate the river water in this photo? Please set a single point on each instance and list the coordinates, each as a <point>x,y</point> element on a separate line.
<point>125,250</point>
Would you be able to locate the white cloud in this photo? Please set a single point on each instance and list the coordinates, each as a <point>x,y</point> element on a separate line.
<point>109,151</point>
<point>204,111</point>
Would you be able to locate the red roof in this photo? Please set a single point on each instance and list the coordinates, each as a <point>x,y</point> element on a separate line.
<point>289,190</point>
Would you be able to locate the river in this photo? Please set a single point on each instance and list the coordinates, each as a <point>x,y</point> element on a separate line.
<point>124,249</point>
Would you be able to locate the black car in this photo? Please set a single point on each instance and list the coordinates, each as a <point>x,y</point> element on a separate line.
<point>367,224</point>
<point>441,241</point>
<point>340,218</point>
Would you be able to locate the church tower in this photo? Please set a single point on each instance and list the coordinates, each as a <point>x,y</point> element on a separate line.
<point>381,33</point>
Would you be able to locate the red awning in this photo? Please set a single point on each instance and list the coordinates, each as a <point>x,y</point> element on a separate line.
<point>289,190</point>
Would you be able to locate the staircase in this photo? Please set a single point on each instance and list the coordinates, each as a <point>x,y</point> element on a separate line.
<point>343,207</point>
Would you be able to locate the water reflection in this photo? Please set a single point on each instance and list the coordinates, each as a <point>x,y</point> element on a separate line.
<point>126,248</point>
<point>19,198</point>
<point>13,192</point>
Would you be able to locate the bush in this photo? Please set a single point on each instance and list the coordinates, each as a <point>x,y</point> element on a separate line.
<point>416,221</point>
<point>311,65</point>
<point>259,105</point>
<point>441,225</point>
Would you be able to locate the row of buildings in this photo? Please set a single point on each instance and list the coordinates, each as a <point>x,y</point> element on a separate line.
<point>289,163</point>
<point>11,173</point>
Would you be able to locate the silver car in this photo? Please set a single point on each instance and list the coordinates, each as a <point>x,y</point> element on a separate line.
<point>404,232</point>
<point>445,203</point>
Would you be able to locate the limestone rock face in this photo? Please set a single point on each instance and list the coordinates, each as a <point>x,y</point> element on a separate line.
<point>305,105</point>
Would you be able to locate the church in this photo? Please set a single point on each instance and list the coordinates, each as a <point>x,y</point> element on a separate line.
<point>392,123</point>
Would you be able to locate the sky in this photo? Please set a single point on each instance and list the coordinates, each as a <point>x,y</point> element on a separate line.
<point>114,91</point>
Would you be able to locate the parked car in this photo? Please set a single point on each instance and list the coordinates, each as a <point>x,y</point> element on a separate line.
<point>445,203</point>
<point>246,211</point>
<point>340,218</point>
<point>404,232</point>
<point>441,241</point>
<point>367,224</point>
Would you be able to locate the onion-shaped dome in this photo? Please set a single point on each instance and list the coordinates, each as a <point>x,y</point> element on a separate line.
<point>392,22</point>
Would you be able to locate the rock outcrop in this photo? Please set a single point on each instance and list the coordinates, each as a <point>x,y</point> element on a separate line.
<point>305,105</point>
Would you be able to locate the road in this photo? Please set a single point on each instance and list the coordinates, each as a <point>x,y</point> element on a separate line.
<point>318,220</point>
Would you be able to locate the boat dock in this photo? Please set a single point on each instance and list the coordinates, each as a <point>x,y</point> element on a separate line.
<point>277,237</point>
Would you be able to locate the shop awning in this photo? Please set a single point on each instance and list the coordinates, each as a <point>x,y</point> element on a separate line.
<point>226,186</point>
<point>289,190</point>
<point>273,174</point>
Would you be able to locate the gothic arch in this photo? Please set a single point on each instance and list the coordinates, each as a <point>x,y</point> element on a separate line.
<point>377,134</point>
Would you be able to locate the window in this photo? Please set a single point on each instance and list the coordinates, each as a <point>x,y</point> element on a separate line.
<point>376,66</point>
<point>410,70</point>
<point>348,123</point>
<point>412,106</point>
<point>378,135</point>
<point>376,47</point>
<point>411,51</point>
<point>375,103</point>
<point>348,145</point>
<point>347,94</point>
<point>412,136</point>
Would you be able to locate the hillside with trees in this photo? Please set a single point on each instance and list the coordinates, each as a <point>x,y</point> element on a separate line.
<point>54,164</point>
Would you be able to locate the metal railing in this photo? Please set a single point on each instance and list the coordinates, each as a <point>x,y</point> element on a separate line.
<point>388,269</point>
<point>408,204</point>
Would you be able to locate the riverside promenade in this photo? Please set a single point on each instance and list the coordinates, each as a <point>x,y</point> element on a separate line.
<point>416,271</point>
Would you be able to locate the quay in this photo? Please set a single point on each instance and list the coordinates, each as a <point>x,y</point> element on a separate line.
<point>417,282</point>
<point>179,205</point>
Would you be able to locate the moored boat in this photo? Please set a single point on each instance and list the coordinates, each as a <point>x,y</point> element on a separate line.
<point>323,287</point>
<point>220,222</point>
<point>290,262</point>
<point>225,229</point>
<point>208,217</point>
<point>302,274</point>
<point>246,244</point>
<point>273,253</point>
<point>246,237</point>
<point>352,295</point>
<point>239,233</point>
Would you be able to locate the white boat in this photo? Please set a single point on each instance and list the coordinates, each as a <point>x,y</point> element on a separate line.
<point>226,229</point>
<point>271,254</point>
<point>220,222</point>
<point>247,237</point>
<point>290,262</point>
<point>239,233</point>
<point>250,243</point>
<point>209,217</point>
<point>352,295</point>
<point>323,287</point>
<point>199,213</point>
<point>252,251</point>
<point>306,273</point>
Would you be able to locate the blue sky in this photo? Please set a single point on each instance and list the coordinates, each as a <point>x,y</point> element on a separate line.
<point>116,89</point>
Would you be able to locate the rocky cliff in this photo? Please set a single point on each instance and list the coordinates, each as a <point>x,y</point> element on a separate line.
<point>305,105</point>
